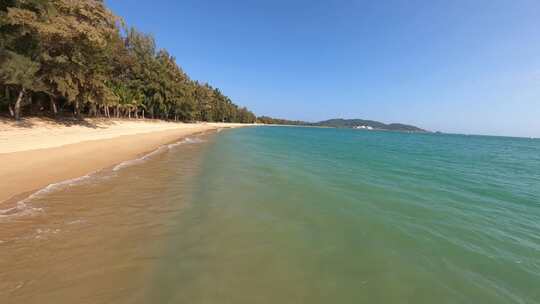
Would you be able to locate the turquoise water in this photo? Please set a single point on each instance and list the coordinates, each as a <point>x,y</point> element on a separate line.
<point>305,215</point>
<point>289,215</point>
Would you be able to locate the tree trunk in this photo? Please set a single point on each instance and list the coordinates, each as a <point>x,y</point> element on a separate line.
<point>10,107</point>
<point>93,110</point>
<point>76,110</point>
<point>143,114</point>
<point>117,112</point>
<point>53,106</point>
<point>18,105</point>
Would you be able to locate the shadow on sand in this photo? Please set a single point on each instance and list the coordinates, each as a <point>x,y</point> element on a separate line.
<point>66,121</point>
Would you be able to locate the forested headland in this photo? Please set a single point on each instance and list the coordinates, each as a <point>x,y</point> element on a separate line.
<point>343,123</point>
<point>75,57</point>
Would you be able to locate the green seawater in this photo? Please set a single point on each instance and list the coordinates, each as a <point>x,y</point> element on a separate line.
<point>287,215</point>
<point>307,215</point>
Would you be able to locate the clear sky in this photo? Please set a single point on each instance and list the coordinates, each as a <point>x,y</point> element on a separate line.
<point>463,66</point>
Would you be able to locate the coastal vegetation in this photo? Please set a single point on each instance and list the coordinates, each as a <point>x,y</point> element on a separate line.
<point>77,57</point>
<point>278,121</point>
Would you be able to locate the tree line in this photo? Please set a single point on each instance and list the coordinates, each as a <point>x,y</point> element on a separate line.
<point>279,121</point>
<point>76,56</point>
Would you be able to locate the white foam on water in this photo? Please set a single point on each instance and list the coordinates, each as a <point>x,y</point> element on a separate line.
<point>76,222</point>
<point>188,140</point>
<point>139,160</point>
<point>44,233</point>
<point>60,185</point>
<point>161,149</point>
<point>23,207</point>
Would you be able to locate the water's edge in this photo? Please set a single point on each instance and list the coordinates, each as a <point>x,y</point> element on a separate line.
<point>19,205</point>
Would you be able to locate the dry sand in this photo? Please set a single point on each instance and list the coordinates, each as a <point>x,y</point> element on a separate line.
<point>37,152</point>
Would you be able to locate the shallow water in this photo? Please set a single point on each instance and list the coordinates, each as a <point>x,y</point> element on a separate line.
<point>96,239</point>
<point>290,215</point>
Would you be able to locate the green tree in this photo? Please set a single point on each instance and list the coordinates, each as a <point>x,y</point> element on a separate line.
<point>80,55</point>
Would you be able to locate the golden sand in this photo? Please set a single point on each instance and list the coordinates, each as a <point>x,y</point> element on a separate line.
<point>37,152</point>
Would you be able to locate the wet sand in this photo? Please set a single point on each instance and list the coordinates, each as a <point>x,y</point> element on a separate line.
<point>100,239</point>
<point>37,152</point>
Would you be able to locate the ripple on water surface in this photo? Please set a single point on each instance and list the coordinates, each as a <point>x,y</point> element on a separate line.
<point>291,215</point>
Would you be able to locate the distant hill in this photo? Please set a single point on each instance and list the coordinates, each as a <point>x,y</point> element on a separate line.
<point>376,125</point>
<point>344,123</point>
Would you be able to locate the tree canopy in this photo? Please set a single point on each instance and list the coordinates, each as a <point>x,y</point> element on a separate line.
<point>76,56</point>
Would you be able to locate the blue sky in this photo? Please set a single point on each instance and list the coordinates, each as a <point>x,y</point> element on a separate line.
<point>456,66</point>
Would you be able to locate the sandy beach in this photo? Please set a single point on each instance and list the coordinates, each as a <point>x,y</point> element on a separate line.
<point>36,152</point>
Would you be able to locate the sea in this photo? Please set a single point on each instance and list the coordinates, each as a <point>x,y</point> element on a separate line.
<point>287,215</point>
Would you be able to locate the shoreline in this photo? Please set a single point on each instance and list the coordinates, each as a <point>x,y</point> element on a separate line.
<point>74,151</point>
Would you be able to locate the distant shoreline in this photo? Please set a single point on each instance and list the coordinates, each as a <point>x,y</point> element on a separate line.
<point>348,128</point>
<point>38,152</point>
<point>406,132</point>
<point>346,124</point>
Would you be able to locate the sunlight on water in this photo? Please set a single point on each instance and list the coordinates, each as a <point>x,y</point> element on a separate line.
<point>299,215</point>
<point>291,215</point>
